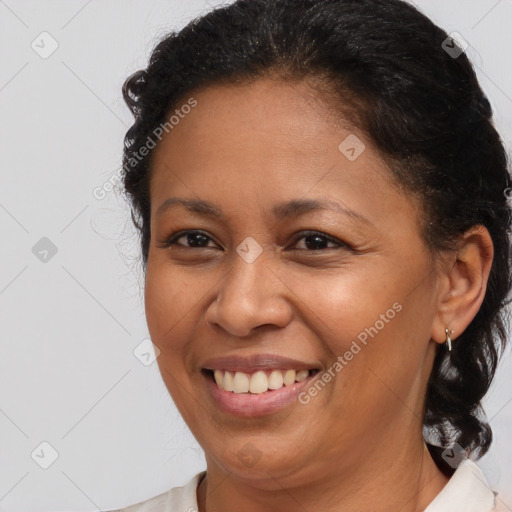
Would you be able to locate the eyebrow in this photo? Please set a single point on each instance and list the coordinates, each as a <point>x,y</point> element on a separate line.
<point>281,211</point>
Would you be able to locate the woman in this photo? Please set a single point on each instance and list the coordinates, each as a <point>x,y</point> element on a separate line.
<point>322,202</point>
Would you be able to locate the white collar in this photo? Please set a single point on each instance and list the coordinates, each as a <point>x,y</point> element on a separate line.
<point>184,498</point>
<point>466,491</point>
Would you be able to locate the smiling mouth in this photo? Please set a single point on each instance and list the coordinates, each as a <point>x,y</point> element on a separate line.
<point>257,382</point>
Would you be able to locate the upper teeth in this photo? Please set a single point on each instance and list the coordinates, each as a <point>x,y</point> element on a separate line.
<point>258,382</point>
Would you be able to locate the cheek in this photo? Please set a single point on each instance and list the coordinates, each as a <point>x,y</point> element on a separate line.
<point>169,300</point>
<point>344,305</point>
<point>169,312</point>
<point>175,300</point>
<point>370,318</point>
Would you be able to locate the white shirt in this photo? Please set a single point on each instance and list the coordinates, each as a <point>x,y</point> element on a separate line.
<point>466,491</point>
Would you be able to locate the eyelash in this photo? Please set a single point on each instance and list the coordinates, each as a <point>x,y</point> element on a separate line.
<point>172,240</point>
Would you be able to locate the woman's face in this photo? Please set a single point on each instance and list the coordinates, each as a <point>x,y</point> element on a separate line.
<point>308,258</point>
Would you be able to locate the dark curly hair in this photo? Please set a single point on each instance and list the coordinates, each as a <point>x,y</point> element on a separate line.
<point>387,65</point>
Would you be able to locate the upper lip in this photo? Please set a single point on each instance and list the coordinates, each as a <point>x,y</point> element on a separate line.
<point>256,362</point>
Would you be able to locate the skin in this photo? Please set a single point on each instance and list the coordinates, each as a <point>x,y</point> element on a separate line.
<point>358,444</point>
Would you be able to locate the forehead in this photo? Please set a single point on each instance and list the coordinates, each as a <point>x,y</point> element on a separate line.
<point>265,141</point>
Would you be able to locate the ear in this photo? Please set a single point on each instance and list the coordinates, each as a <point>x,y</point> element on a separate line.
<point>462,283</point>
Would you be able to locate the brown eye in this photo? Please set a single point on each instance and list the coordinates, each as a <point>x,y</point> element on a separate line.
<point>192,239</point>
<point>315,240</point>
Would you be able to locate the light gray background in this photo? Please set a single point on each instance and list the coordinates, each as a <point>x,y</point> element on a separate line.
<point>69,326</point>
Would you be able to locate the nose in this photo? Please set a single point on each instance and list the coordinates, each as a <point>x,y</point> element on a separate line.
<point>250,295</point>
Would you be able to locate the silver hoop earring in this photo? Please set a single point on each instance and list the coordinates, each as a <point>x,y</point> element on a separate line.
<point>448,341</point>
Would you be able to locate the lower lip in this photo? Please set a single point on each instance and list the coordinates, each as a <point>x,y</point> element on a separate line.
<point>255,404</point>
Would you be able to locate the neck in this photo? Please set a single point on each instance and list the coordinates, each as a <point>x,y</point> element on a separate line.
<point>407,483</point>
